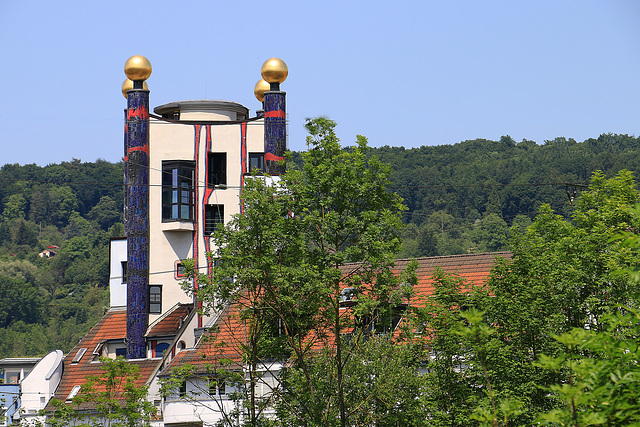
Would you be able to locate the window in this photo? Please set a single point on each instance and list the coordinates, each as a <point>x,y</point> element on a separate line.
<point>217,167</point>
<point>121,352</point>
<point>256,161</point>
<point>217,387</point>
<point>159,349</point>
<point>213,215</point>
<point>179,269</point>
<point>79,355</point>
<point>12,377</point>
<point>178,195</point>
<point>73,393</point>
<point>155,299</point>
<point>124,271</point>
<point>182,390</point>
<point>172,115</point>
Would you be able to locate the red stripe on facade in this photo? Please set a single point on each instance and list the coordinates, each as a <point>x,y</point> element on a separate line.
<point>272,157</point>
<point>144,149</point>
<point>139,112</point>
<point>276,113</point>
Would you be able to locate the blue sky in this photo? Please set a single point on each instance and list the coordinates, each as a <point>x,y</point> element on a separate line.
<point>407,73</point>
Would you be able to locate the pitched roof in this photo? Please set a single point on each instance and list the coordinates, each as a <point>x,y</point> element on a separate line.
<point>224,344</point>
<point>82,362</point>
<point>169,323</point>
<point>473,268</point>
<point>229,332</point>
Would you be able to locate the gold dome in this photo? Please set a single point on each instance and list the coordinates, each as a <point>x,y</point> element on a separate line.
<point>260,88</point>
<point>274,70</point>
<point>128,85</point>
<point>137,68</point>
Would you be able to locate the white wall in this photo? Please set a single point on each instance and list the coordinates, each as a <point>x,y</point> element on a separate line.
<point>117,289</point>
<point>171,242</point>
<point>38,387</point>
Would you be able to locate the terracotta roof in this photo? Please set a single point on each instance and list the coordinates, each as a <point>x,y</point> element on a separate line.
<point>81,362</point>
<point>474,268</point>
<point>224,341</point>
<point>170,323</point>
<point>223,344</point>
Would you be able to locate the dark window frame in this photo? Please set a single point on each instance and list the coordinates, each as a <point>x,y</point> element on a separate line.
<point>178,190</point>
<point>216,169</point>
<point>155,299</point>
<point>179,270</point>
<point>124,265</point>
<point>213,215</point>
<point>256,158</point>
<point>217,386</point>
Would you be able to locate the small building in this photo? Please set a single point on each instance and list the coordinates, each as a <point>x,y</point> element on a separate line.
<point>47,253</point>
<point>29,383</point>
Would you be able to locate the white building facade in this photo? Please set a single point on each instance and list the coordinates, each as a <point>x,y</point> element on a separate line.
<point>199,155</point>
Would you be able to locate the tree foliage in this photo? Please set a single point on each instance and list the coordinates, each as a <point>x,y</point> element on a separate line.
<point>71,210</point>
<point>565,279</point>
<point>282,261</point>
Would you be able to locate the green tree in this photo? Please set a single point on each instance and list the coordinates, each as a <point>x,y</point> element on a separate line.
<point>562,275</point>
<point>288,252</point>
<point>600,375</point>
<point>450,392</point>
<point>14,207</point>
<point>64,201</point>
<point>24,233</point>
<point>114,398</point>
<point>19,301</point>
<point>383,381</point>
<point>490,234</point>
<point>105,213</point>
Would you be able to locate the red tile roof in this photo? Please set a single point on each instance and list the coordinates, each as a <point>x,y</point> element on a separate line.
<point>224,344</point>
<point>171,322</point>
<point>79,363</point>
<point>229,332</point>
<point>473,268</point>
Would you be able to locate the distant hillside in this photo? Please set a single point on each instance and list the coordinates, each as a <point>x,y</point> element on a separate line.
<point>55,225</point>
<point>463,197</point>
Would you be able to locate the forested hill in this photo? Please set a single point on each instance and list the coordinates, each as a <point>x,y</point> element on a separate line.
<point>71,210</point>
<point>461,198</point>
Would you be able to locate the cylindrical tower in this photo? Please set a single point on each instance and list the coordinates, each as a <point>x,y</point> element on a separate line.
<point>136,205</point>
<point>274,72</point>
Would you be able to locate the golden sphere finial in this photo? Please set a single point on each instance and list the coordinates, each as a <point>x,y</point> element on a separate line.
<point>128,85</point>
<point>137,68</point>
<point>274,70</point>
<point>260,88</point>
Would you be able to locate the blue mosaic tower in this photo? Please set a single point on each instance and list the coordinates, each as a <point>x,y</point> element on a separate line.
<point>136,205</point>
<point>274,71</point>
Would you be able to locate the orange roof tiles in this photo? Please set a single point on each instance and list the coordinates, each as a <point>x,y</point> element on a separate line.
<point>474,268</point>
<point>225,344</point>
<point>112,326</point>
<point>171,322</point>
